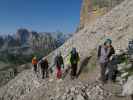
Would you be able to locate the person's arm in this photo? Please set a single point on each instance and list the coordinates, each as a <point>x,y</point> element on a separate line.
<point>78,57</point>
<point>108,52</point>
<point>47,63</point>
<point>99,52</point>
<point>62,61</point>
<point>111,52</point>
<point>68,59</point>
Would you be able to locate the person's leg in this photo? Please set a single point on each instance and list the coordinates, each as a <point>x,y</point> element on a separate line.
<point>132,97</point>
<point>58,72</point>
<point>115,74</point>
<point>43,73</point>
<point>46,72</point>
<point>75,70</point>
<point>72,71</point>
<point>35,68</point>
<point>110,72</point>
<point>103,70</point>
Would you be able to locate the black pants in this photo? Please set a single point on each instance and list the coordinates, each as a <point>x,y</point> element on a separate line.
<point>103,71</point>
<point>35,68</point>
<point>44,72</point>
<point>73,70</point>
<point>112,72</point>
<point>132,97</point>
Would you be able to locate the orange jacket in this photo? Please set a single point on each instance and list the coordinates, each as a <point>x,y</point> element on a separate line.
<point>34,61</point>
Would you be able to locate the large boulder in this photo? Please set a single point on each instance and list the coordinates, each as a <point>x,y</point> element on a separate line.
<point>128,86</point>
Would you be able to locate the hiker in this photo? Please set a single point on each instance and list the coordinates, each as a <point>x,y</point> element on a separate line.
<point>105,52</point>
<point>59,65</point>
<point>34,63</point>
<point>44,68</point>
<point>74,58</point>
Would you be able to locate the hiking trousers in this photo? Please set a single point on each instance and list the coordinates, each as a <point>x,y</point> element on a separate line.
<point>103,71</point>
<point>59,72</point>
<point>132,97</point>
<point>44,72</point>
<point>35,68</point>
<point>112,74</point>
<point>74,70</point>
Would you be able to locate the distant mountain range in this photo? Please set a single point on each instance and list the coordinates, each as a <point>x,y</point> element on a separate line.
<point>32,39</point>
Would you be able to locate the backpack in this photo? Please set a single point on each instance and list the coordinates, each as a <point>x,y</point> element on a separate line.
<point>58,61</point>
<point>34,61</point>
<point>74,58</point>
<point>44,64</point>
<point>99,51</point>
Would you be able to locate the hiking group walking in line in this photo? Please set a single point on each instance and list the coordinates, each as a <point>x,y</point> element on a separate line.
<point>104,55</point>
<point>58,63</point>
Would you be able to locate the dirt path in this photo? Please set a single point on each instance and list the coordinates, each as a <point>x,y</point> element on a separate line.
<point>114,88</point>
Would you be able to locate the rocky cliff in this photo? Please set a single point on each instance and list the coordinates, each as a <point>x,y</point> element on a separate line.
<point>93,9</point>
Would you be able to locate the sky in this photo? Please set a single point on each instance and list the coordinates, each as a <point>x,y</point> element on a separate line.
<point>39,15</point>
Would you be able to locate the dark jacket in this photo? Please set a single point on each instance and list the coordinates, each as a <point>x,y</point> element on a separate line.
<point>59,61</point>
<point>44,64</point>
<point>74,58</point>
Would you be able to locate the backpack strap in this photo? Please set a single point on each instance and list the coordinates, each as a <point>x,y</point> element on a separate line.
<point>99,51</point>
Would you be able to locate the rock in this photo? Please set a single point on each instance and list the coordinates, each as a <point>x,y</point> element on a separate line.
<point>88,11</point>
<point>124,74</point>
<point>128,87</point>
<point>80,97</point>
<point>68,91</point>
<point>73,89</point>
<point>64,97</point>
<point>129,66</point>
<point>70,98</point>
<point>51,80</point>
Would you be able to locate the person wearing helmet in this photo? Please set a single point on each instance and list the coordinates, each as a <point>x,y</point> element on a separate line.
<point>74,58</point>
<point>59,64</point>
<point>105,52</point>
<point>34,63</point>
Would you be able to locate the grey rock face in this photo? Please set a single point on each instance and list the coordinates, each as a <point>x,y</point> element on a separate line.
<point>127,88</point>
